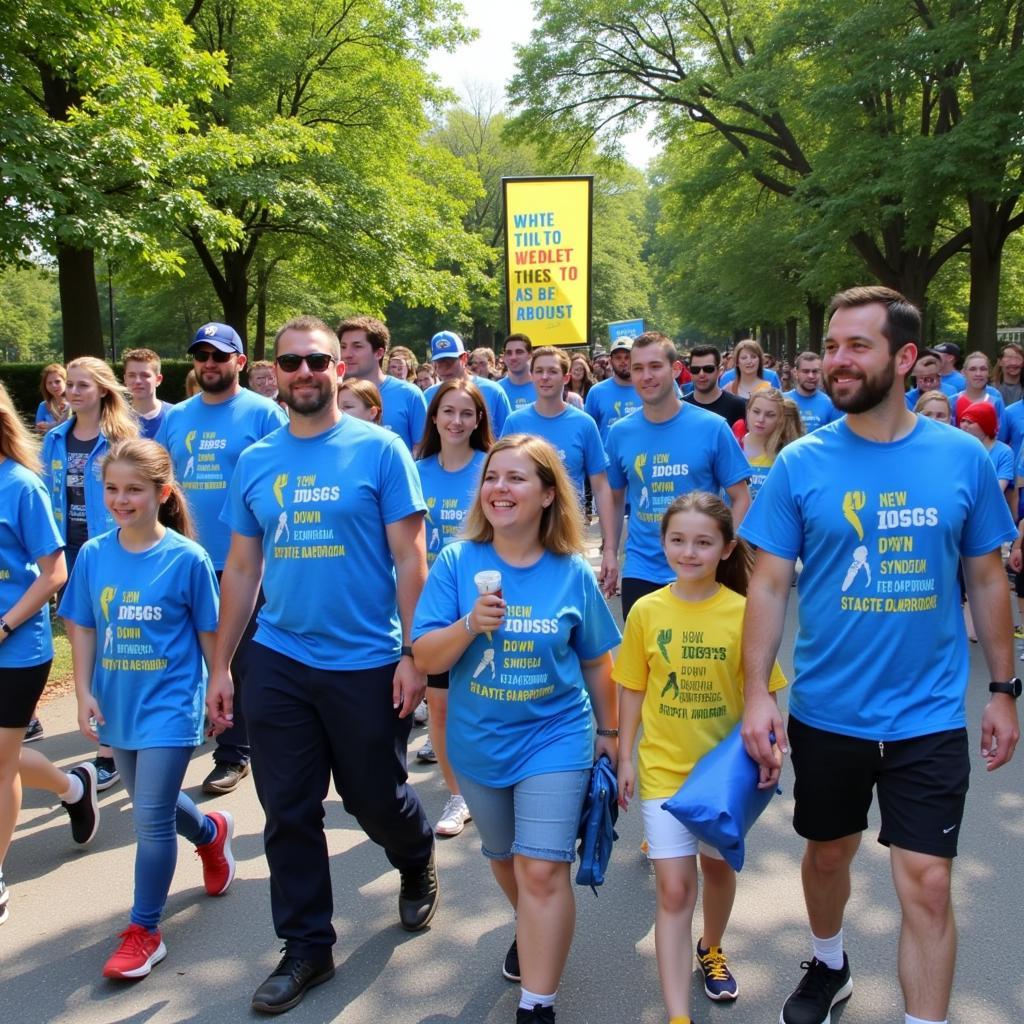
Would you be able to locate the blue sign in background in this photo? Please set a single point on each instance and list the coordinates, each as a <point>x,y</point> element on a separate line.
<point>625,329</point>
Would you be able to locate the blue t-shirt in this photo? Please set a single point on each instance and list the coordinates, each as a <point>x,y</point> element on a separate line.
<point>404,410</point>
<point>769,375</point>
<point>881,652</point>
<point>915,393</point>
<point>320,505</point>
<point>449,497</point>
<point>992,396</point>
<point>815,411</point>
<point>519,395</point>
<point>150,427</point>
<point>28,531</point>
<point>205,440</point>
<point>1011,427</point>
<point>1002,461</point>
<point>43,414</point>
<point>517,703</point>
<point>494,397</point>
<point>147,609</point>
<point>608,401</point>
<point>656,462</point>
<point>954,379</point>
<point>572,433</point>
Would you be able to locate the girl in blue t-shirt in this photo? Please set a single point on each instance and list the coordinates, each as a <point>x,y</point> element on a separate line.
<point>143,600</point>
<point>452,450</point>
<point>514,613</point>
<point>53,409</point>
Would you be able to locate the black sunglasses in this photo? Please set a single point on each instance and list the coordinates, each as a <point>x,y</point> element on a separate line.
<point>316,361</point>
<point>710,368</point>
<point>202,355</point>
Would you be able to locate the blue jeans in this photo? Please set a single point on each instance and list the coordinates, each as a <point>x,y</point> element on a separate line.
<point>161,812</point>
<point>538,817</point>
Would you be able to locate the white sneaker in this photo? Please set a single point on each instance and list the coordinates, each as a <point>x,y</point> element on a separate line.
<point>453,817</point>
<point>419,716</point>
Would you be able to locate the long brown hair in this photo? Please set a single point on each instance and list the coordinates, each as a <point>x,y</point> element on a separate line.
<point>367,392</point>
<point>561,523</point>
<point>997,371</point>
<point>733,571</point>
<point>117,421</point>
<point>59,413</point>
<point>16,441</point>
<point>481,439</point>
<point>153,463</point>
<point>754,346</point>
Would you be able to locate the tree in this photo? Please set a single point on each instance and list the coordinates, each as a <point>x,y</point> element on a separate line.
<point>28,314</point>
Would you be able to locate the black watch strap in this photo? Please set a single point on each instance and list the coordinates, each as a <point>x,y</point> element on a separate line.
<point>1012,688</point>
<point>406,652</point>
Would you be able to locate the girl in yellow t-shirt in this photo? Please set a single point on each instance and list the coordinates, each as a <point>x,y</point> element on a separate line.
<point>680,668</point>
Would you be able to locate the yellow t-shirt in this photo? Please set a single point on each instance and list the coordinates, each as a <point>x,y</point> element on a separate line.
<point>686,657</point>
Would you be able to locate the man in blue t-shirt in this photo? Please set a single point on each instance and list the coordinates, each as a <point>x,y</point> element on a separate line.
<point>518,380</point>
<point>613,398</point>
<point>364,343</point>
<point>666,449</point>
<point>949,352</point>
<point>205,436</point>
<point>927,376</point>
<point>869,507</point>
<point>142,377</point>
<point>816,408</point>
<point>448,355</point>
<point>329,513</point>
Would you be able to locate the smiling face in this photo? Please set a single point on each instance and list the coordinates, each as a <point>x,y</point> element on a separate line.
<point>512,495</point>
<point>747,362</point>
<point>548,376</point>
<point>653,374</point>
<point>129,497</point>
<point>694,546</point>
<point>457,417</point>
<point>976,372</point>
<point>517,358</point>
<point>305,391</point>
<point>1012,362</point>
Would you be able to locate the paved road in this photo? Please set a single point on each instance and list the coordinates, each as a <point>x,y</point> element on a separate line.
<point>68,904</point>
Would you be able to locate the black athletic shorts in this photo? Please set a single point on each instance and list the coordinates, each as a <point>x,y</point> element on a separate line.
<point>922,784</point>
<point>20,690</point>
<point>438,682</point>
<point>632,589</point>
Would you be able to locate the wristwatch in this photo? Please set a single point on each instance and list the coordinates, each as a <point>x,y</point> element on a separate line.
<point>3,625</point>
<point>406,652</point>
<point>1013,687</point>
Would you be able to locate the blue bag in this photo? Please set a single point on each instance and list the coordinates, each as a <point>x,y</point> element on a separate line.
<point>720,801</point>
<point>597,824</point>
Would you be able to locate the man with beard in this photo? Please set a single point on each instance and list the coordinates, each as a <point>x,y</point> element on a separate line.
<point>331,685</point>
<point>613,398</point>
<point>205,435</point>
<point>881,659</point>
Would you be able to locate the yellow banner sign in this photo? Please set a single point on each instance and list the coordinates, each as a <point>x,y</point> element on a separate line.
<point>547,258</point>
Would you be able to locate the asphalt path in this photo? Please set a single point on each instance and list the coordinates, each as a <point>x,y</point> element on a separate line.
<point>69,903</point>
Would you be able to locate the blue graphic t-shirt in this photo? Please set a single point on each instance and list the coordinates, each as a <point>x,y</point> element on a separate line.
<point>28,531</point>
<point>517,703</point>
<point>881,652</point>
<point>404,410</point>
<point>147,608</point>
<point>572,433</point>
<point>494,397</point>
<point>205,440</point>
<point>320,505</point>
<point>656,462</point>
<point>608,401</point>
<point>519,395</point>
<point>815,411</point>
<point>448,497</point>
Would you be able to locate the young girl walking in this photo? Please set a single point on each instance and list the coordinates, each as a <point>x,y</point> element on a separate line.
<point>681,672</point>
<point>143,599</point>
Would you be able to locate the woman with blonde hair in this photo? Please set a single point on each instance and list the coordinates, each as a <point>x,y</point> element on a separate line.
<point>772,421</point>
<point>53,409</point>
<point>72,459</point>
<point>934,405</point>
<point>514,614</point>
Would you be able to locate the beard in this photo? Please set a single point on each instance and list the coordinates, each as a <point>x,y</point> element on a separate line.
<point>222,382</point>
<point>309,405</point>
<point>871,393</point>
<point>625,374</point>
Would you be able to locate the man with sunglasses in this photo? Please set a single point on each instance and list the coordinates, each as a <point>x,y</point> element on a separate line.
<point>705,364</point>
<point>205,435</point>
<point>329,513</point>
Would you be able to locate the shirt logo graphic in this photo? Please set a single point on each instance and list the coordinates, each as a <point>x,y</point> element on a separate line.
<point>282,520</point>
<point>854,502</point>
<point>190,466</point>
<point>107,594</point>
<point>639,463</point>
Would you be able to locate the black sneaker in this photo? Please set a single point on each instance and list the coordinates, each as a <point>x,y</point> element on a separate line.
<point>418,898</point>
<point>85,812</point>
<point>33,732</point>
<point>224,778</point>
<point>538,1015</point>
<point>290,981</point>
<point>510,968</point>
<point>820,990</point>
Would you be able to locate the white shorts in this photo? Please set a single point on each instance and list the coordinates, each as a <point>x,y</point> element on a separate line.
<point>668,837</point>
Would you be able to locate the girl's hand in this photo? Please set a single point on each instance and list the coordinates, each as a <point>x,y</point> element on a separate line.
<point>607,745</point>
<point>488,614</point>
<point>627,782</point>
<point>89,716</point>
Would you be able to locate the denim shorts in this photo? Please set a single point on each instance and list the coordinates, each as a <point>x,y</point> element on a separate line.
<point>538,817</point>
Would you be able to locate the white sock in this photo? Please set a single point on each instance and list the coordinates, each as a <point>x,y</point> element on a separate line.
<point>528,1000</point>
<point>829,951</point>
<point>75,790</point>
<point>907,1019</point>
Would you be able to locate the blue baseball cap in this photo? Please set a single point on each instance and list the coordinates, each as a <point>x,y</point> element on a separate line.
<point>220,336</point>
<point>446,345</point>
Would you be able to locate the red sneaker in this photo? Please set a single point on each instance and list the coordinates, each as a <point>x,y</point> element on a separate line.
<point>218,863</point>
<point>139,951</point>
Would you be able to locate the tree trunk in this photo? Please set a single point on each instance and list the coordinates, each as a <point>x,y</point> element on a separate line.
<point>79,303</point>
<point>235,295</point>
<point>986,257</point>
<point>815,324</point>
<point>791,338</point>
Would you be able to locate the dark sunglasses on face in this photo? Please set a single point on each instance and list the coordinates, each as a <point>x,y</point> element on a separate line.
<point>201,355</point>
<point>316,361</point>
<point>710,368</point>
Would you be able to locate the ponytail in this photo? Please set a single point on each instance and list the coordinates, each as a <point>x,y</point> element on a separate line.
<point>174,513</point>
